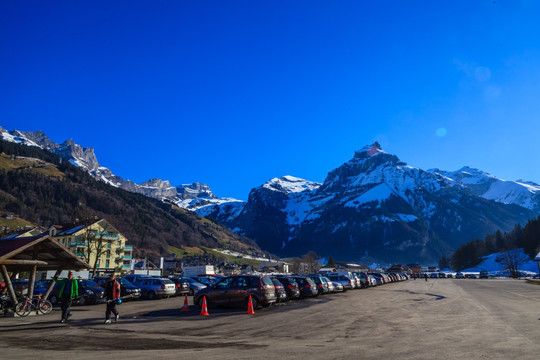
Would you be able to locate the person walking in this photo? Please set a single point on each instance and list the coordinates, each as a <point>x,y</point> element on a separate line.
<point>112,293</point>
<point>425,276</point>
<point>68,292</point>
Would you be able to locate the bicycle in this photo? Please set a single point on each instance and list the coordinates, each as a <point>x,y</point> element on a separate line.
<point>25,307</point>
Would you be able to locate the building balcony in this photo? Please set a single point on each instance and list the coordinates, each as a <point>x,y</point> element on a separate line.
<point>78,244</point>
<point>126,257</point>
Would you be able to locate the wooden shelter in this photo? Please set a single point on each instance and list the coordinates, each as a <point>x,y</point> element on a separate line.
<point>32,254</point>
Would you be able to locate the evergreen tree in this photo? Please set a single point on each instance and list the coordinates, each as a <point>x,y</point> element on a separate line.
<point>331,262</point>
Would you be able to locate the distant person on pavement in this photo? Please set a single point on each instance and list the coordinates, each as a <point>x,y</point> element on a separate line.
<point>425,276</point>
<point>68,292</point>
<point>112,294</point>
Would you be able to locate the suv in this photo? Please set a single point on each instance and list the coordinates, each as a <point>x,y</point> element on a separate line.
<point>235,291</point>
<point>154,288</point>
<point>291,287</point>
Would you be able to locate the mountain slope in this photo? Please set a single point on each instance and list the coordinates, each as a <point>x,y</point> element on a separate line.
<point>65,192</point>
<point>373,206</point>
<point>195,197</point>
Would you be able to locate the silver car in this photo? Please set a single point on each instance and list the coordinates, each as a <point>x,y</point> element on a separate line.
<point>153,288</point>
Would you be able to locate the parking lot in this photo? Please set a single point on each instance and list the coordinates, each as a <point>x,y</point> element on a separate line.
<point>415,319</point>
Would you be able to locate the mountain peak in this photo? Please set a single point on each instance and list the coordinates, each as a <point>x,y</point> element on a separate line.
<point>369,151</point>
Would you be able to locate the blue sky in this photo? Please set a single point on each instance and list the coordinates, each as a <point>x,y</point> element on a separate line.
<point>234,93</point>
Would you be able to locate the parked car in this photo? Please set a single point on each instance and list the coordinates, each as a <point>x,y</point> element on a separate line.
<point>364,281</point>
<point>307,287</point>
<point>346,281</point>
<point>281,294</point>
<point>90,293</point>
<point>329,284</point>
<point>182,286</point>
<point>21,287</point>
<point>135,279</point>
<point>291,287</point>
<point>322,287</point>
<point>194,285</point>
<point>126,287</point>
<point>235,291</point>
<point>338,287</point>
<point>460,276</point>
<point>153,288</point>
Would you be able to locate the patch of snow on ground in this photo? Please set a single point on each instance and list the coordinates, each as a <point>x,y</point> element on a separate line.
<point>494,267</point>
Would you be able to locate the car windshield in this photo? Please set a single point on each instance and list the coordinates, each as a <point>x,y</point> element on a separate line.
<point>124,282</point>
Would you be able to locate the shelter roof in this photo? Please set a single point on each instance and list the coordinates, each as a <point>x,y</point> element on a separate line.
<point>17,253</point>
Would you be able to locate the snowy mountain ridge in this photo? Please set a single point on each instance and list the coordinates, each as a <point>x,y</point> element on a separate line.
<point>372,205</point>
<point>194,196</point>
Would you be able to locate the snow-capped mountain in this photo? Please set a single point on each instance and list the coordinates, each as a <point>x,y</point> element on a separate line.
<point>372,206</point>
<point>195,197</point>
<point>487,186</point>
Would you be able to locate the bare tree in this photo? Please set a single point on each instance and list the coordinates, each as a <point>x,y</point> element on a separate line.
<point>511,260</point>
<point>96,244</point>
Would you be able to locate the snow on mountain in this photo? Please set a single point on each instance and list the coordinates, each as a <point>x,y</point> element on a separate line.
<point>373,203</point>
<point>290,184</point>
<point>196,197</point>
<point>487,186</point>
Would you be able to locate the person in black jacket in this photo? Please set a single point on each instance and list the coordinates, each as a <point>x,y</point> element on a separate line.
<point>112,294</point>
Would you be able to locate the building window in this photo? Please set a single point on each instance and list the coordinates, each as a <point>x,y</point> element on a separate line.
<point>107,263</point>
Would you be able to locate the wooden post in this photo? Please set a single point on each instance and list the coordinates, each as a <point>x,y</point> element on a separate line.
<point>7,279</point>
<point>32,282</point>
<point>51,285</point>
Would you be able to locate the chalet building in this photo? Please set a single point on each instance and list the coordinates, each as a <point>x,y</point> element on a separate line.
<point>415,268</point>
<point>98,239</point>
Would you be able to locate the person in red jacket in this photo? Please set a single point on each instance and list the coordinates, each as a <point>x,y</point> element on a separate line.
<point>112,293</point>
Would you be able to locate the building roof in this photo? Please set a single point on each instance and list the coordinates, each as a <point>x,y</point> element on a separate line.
<point>47,253</point>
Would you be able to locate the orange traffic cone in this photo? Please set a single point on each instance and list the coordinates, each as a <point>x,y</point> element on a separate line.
<point>250,307</point>
<point>204,309</point>
<point>186,306</point>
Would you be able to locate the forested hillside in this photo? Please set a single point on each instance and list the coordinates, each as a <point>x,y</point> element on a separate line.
<point>45,190</point>
<point>470,254</point>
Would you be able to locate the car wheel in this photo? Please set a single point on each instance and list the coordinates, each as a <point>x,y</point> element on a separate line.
<point>191,291</point>
<point>82,300</point>
<point>53,299</point>
<point>200,302</point>
<point>151,295</point>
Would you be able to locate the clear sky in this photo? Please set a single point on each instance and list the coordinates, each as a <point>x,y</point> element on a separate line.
<point>234,93</point>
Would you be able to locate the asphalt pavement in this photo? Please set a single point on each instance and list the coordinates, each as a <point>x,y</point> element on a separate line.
<point>415,319</point>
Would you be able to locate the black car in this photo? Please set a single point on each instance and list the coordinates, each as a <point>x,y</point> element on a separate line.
<point>182,286</point>
<point>291,287</point>
<point>280,290</point>
<point>322,287</point>
<point>126,287</point>
<point>307,287</point>
<point>89,293</point>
